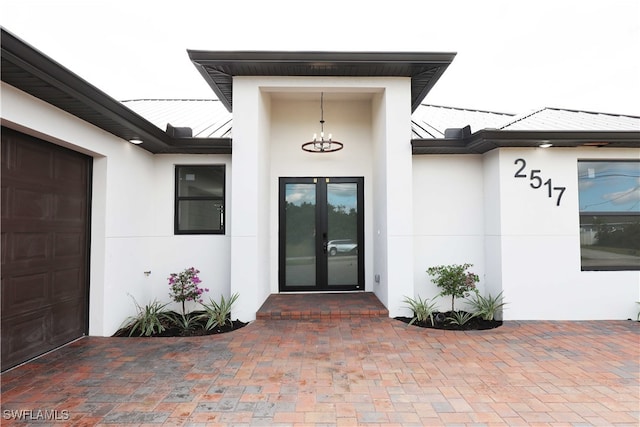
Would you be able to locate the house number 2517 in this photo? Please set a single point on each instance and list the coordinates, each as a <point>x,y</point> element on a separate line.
<point>536,181</point>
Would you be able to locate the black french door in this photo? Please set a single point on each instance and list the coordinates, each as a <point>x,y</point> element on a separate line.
<point>321,241</point>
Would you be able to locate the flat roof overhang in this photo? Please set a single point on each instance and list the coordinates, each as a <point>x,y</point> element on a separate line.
<point>489,139</point>
<point>33,72</point>
<point>219,67</point>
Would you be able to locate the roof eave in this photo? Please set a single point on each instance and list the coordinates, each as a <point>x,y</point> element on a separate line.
<point>199,146</point>
<point>417,100</point>
<point>36,74</point>
<point>490,139</point>
<point>224,98</point>
<point>84,100</point>
<point>223,63</point>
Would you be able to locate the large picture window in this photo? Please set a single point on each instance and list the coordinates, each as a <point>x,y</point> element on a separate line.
<point>199,203</point>
<point>609,197</point>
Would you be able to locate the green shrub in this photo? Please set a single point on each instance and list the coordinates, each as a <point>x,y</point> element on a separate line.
<point>454,280</point>
<point>149,320</point>
<point>422,309</point>
<point>218,314</point>
<point>487,307</point>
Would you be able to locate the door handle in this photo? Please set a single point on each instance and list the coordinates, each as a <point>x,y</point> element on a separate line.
<point>325,244</point>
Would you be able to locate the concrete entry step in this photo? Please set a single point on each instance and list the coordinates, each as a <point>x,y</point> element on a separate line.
<point>307,306</point>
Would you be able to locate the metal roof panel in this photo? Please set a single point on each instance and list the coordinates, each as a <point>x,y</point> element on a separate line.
<point>562,119</point>
<point>430,121</point>
<point>208,118</point>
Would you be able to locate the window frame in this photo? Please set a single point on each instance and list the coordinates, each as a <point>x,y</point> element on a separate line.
<point>178,199</point>
<point>604,214</point>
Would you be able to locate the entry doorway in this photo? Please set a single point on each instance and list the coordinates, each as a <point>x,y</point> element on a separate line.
<point>321,237</point>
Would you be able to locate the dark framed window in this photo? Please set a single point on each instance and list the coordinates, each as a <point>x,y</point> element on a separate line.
<point>199,199</point>
<point>609,197</point>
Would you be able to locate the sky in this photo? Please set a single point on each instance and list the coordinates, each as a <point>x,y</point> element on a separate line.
<point>609,186</point>
<point>512,56</point>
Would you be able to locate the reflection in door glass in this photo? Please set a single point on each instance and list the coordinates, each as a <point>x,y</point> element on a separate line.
<point>300,249</point>
<point>342,222</point>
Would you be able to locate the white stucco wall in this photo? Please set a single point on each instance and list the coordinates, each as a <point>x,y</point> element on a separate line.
<point>150,244</point>
<point>249,227</point>
<point>491,188</point>
<point>395,190</point>
<point>472,209</point>
<point>540,241</point>
<point>448,194</point>
<point>173,253</point>
<point>380,270</point>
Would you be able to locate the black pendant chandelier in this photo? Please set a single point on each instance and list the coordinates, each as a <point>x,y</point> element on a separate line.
<point>322,145</point>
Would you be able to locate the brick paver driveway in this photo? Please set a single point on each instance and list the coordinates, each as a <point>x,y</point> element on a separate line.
<point>375,371</point>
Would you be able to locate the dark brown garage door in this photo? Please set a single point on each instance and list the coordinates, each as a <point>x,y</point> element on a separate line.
<point>45,217</point>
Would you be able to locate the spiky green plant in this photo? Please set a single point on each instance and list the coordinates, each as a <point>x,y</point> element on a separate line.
<point>186,322</point>
<point>149,319</point>
<point>218,314</point>
<point>422,309</point>
<point>487,307</point>
<point>460,318</point>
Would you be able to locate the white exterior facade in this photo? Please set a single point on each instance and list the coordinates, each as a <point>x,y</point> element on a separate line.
<point>420,210</point>
<point>471,208</point>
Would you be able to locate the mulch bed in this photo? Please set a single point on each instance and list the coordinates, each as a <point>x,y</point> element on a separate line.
<point>440,322</point>
<point>198,329</point>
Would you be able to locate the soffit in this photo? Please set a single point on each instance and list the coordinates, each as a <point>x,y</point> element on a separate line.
<point>219,67</point>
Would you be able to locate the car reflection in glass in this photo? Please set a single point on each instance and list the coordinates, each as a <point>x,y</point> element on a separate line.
<point>342,247</point>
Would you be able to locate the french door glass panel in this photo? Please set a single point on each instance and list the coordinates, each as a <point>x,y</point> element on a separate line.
<point>342,225</point>
<point>300,244</point>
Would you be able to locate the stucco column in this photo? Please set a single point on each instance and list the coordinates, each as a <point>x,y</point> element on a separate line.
<point>394,196</point>
<point>249,213</point>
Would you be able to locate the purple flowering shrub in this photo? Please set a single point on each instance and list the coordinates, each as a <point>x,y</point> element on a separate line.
<point>454,280</point>
<point>184,286</point>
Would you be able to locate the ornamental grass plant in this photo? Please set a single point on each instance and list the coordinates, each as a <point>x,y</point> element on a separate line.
<point>460,318</point>
<point>151,319</point>
<point>487,307</point>
<point>422,309</point>
<point>217,314</point>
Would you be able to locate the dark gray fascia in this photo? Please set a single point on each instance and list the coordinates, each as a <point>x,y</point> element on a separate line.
<point>489,139</point>
<point>199,146</point>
